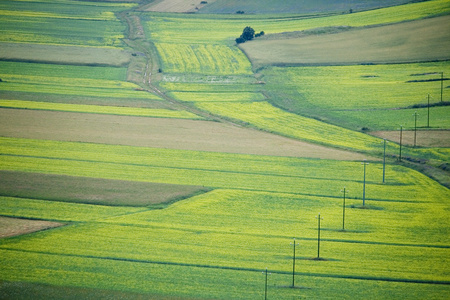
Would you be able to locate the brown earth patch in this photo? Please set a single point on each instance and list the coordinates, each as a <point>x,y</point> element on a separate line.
<point>92,190</point>
<point>424,138</point>
<point>158,133</point>
<point>12,226</point>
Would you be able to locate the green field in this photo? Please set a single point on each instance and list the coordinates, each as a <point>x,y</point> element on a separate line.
<point>169,156</point>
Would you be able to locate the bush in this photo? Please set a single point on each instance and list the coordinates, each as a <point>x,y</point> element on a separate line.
<point>240,40</point>
<point>259,34</point>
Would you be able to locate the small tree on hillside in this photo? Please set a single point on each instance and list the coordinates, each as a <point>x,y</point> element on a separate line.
<point>248,34</point>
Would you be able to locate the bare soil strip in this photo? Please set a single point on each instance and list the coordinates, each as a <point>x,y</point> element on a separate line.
<point>158,133</point>
<point>12,226</point>
<point>416,41</point>
<point>92,190</point>
<point>424,138</point>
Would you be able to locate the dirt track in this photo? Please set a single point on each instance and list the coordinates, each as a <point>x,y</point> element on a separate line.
<point>157,132</point>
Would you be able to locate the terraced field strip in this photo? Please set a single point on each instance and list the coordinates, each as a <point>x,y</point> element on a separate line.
<point>99,109</point>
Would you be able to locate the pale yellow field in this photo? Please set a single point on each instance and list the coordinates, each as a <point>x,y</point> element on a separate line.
<point>64,54</point>
<point>178,6</point>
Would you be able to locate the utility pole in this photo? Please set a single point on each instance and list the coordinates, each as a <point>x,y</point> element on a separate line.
<point>364,182</point>
<point>265,287</point>
<point>442,84</point>
<point>428,119</point>
<point>415,114</point>
<point>400,156</point>
<point>343,212</point>
<point>384,160</point>
<point>293,264</point>
<point>318,237</point>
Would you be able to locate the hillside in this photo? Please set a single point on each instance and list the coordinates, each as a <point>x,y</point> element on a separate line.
<point>144,156</point>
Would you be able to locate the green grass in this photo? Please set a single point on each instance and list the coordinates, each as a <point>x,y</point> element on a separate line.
<point>215,245</point>
<point>341,87</point>
<point>361,96</point>
<point>59,211</point>
<point>217,170</point>
<point>76,278</point>
<point>238,233</point>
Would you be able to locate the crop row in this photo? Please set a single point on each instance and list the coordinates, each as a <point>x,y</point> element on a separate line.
<point>203,58</point>
<point>99,109</point>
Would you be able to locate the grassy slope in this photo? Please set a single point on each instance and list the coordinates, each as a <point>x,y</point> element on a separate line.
<point>164,258</point>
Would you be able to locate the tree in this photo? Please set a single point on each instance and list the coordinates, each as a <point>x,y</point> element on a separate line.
<point>248,34</point>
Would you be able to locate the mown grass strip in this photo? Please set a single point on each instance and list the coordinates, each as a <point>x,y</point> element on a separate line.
<point>99,109</point>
